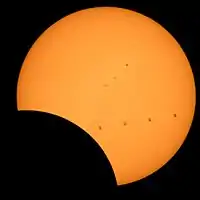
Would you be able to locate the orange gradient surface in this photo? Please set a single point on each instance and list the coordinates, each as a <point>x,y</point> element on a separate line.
<point>119,76</point>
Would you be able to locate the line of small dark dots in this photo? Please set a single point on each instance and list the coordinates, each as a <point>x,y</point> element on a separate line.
<point>125,122</point>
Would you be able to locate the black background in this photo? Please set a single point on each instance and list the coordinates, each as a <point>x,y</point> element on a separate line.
<point>22,25</point>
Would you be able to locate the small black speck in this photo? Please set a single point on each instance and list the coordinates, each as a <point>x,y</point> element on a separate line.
<point>174,115</point>
<point>149,119</point>
<point>100,128</point>
<point>125,123</point>
<point>126,65</point>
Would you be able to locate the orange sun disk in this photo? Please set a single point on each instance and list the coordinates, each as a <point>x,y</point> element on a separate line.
<point>119,76</point>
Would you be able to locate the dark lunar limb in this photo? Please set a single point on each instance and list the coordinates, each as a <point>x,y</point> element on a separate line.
<point>50,156</point>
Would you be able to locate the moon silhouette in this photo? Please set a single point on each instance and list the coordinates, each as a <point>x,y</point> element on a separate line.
<point>51,156</point>
<point>122,78</point>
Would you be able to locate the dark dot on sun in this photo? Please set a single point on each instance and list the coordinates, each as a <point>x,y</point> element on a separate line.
<point>125,123</point>
<point>149,119</point>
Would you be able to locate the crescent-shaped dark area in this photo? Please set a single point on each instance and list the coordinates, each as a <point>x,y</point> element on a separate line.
<point>51,156</point>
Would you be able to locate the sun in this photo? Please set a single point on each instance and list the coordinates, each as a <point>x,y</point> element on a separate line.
<point>122,78</point>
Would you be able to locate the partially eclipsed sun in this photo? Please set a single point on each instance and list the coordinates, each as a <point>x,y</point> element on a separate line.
<point>119,76</point>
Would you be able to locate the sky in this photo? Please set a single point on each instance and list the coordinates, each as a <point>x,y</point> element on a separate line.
<point>25,24</point>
